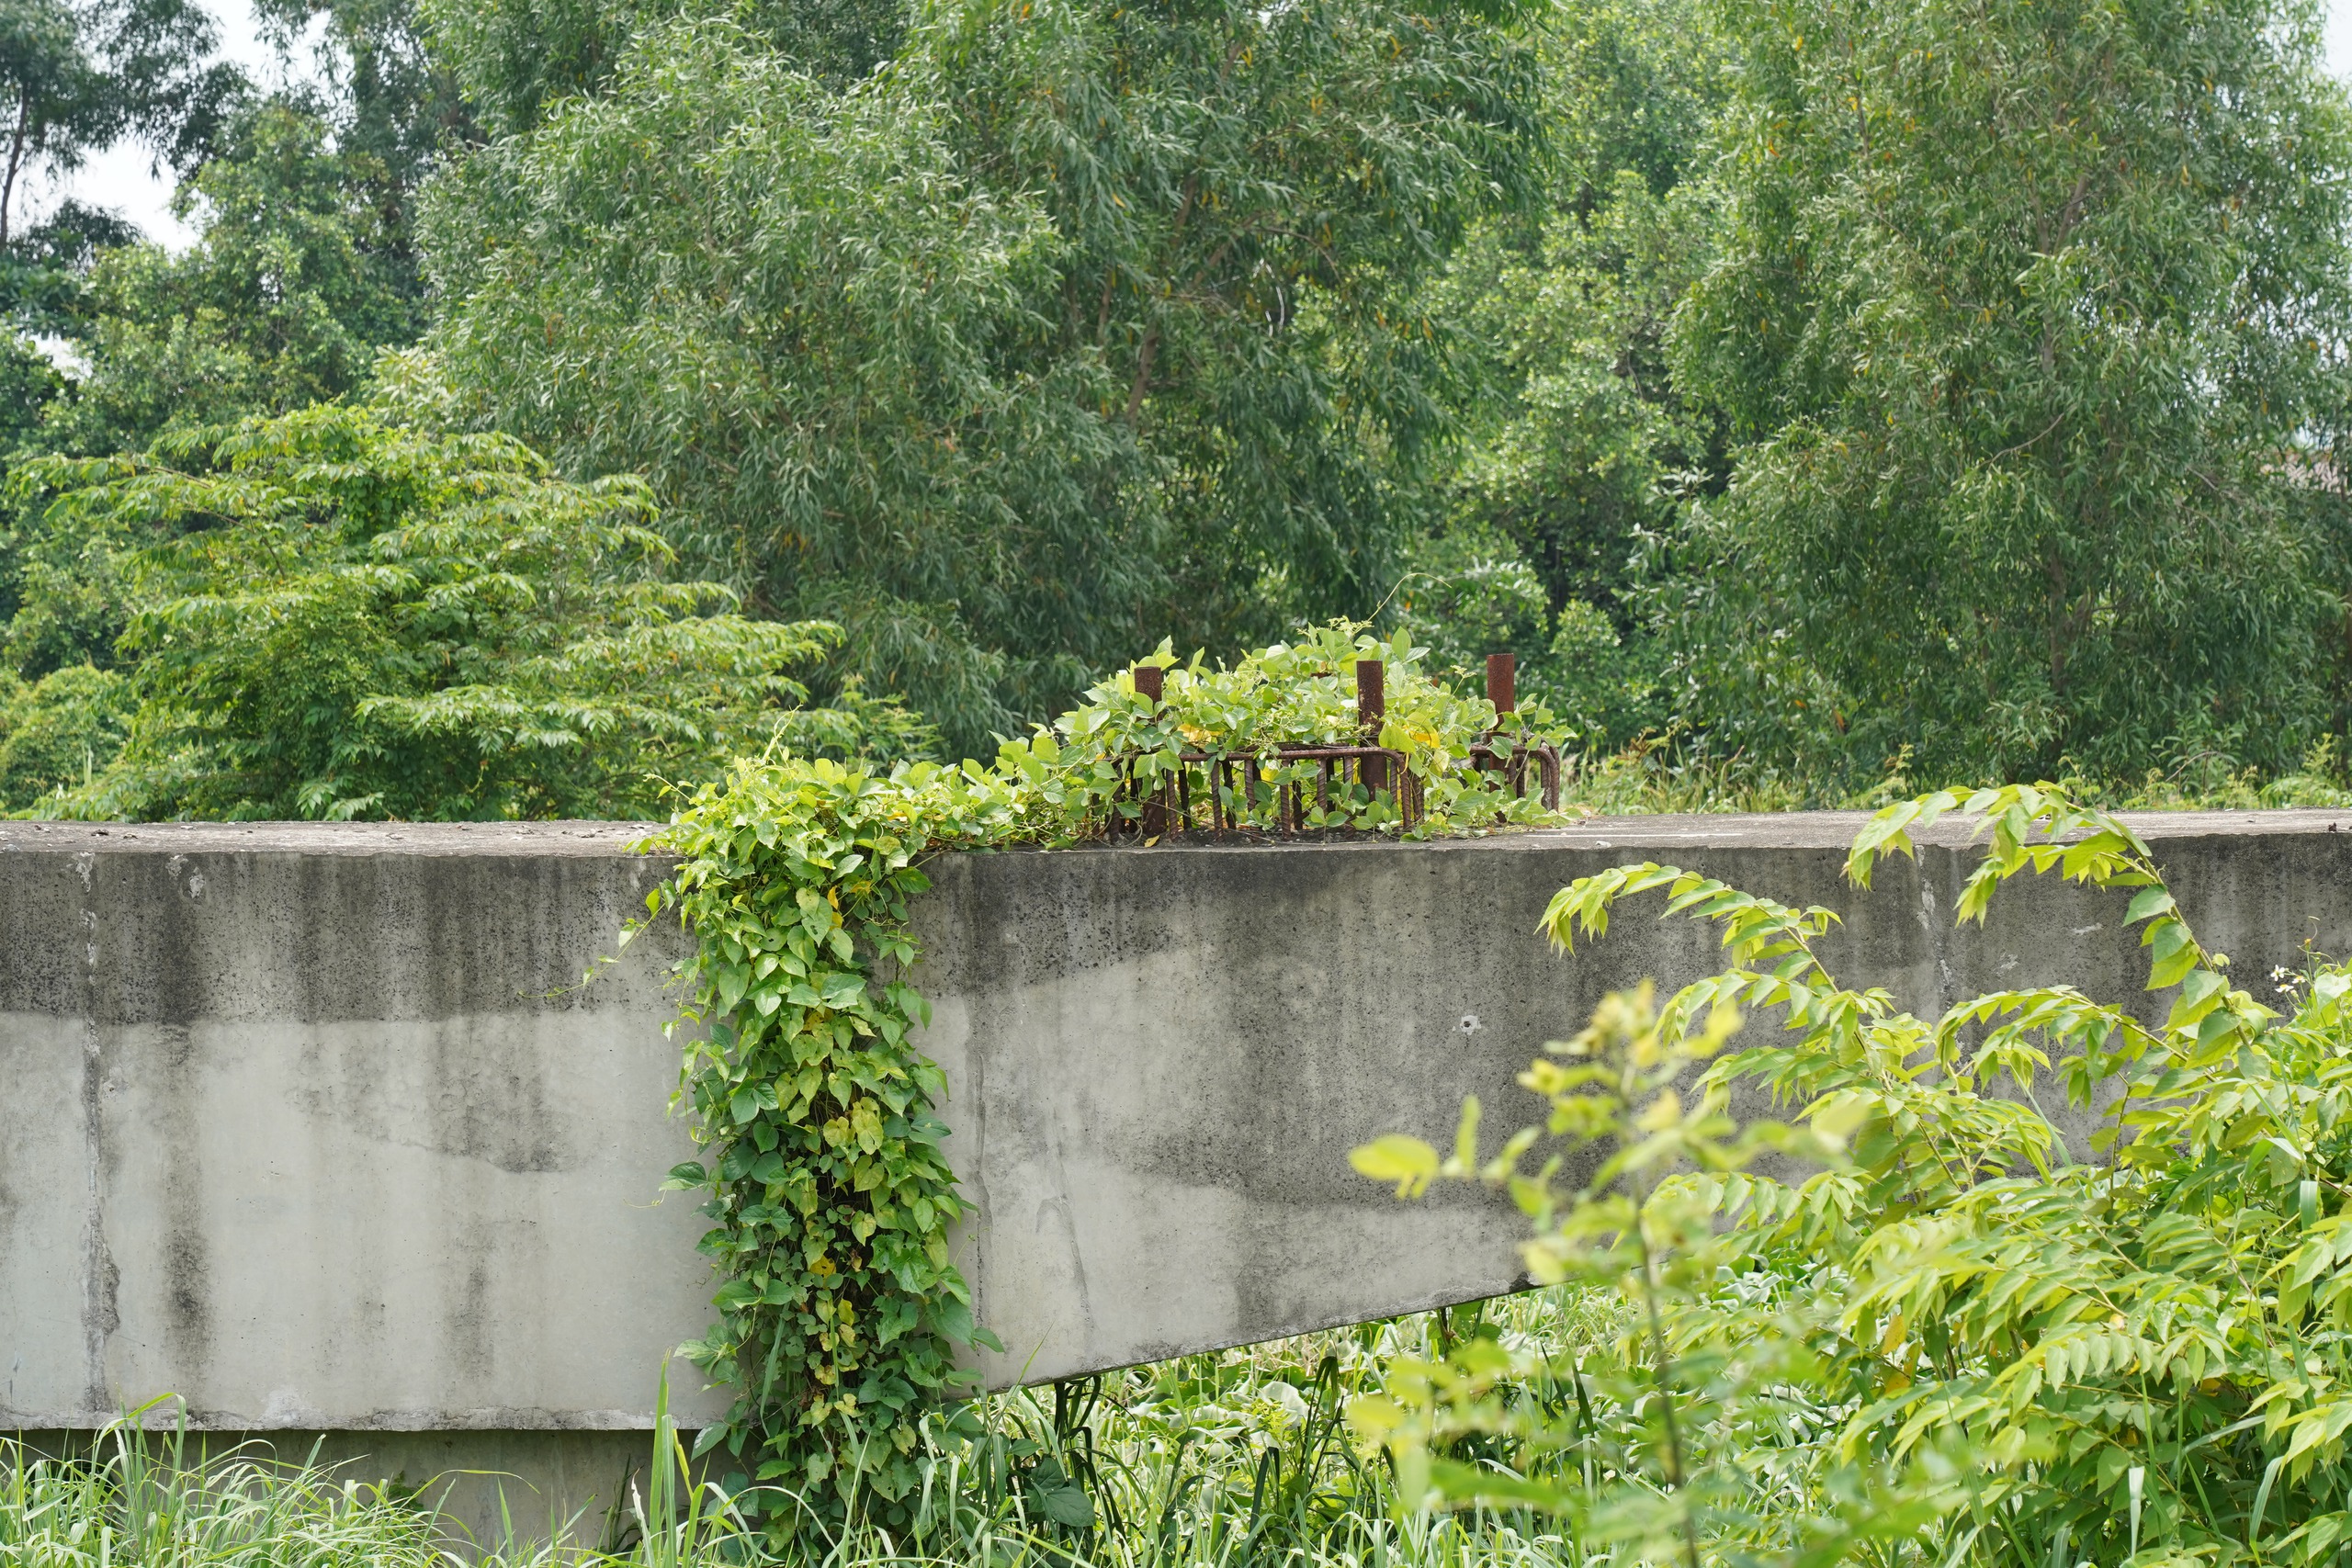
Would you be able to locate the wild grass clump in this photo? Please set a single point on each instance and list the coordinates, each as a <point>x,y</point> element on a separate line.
<point>133,1498</point>
<point>1228,1460</point>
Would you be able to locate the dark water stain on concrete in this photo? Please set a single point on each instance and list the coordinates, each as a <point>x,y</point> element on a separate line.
<point>468,1324</point>
<point>483,1090</point>
<point>188,1251</point>
<point>101,1279</point>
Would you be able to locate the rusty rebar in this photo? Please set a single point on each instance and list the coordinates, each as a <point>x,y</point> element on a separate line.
<point>1371,708</point>
<point>1502,682</point>
<point>1150,685</point>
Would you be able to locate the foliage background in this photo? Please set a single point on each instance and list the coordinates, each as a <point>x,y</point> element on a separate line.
<point>1818,397</point>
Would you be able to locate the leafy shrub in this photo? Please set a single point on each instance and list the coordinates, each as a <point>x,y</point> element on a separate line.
<point>357,619</point>
<point>1952,1329</point>
<point>59,733</point>
<point>840,1312</point>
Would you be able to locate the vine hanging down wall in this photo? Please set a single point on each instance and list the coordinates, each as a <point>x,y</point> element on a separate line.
<point>841,1309</point>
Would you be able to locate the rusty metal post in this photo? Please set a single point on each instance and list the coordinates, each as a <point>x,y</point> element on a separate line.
<point>1151,682</point>
<point>1502,682</point>
<point>1371,707</point>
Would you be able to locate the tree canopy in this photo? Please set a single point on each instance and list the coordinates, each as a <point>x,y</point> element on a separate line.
<point>1814,388</point>
<point>352,618</point>
<point>77,75</point>
<point>1078,319</point>
<point>2033,318</point>
<point>1576,446</point>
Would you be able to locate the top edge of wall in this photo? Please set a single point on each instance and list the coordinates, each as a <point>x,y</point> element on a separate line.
<point>1789,830</point>
<point>325,838</point>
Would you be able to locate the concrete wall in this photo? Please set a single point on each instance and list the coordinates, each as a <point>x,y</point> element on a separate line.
<point>318,1127</point>
<point>1161,1058</point>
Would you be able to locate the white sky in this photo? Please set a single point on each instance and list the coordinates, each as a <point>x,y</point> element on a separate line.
<point>119,178</point>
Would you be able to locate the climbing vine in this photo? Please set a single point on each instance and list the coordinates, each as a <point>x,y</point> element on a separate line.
<point>840,1311</point>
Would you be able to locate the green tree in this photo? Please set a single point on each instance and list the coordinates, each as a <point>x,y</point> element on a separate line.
<point>2032,316</point>
<point>391,105</point>
<point>790,314</point>
<point>58,732</point>
<point>77,76</point>
<point>1079,318</point>
<point>1579,446</point>
<point>1251,198</point>
<point>1569,304</point>
<point>518,59</point>
<point>291,289</point>
<point>28,382</point>
<point>371,622</point>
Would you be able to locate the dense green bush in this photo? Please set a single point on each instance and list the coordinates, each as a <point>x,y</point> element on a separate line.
<point>1960,1330</point>
<point>59,733</point>
<point>346,618</point>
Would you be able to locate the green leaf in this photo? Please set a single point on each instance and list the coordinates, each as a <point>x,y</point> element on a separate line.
<point>1065,1503</point>
<point>1406,1161</point>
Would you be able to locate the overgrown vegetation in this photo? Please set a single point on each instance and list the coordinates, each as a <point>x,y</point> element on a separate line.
<point>1824,398</point>
<point>1973,1328</point>
<point>840,1312</point>
<point>333,616</point>
<point>1964,1331</point>
<point>1717,361</point>
<point>1761,1399</point>
<point>1209,1462</point>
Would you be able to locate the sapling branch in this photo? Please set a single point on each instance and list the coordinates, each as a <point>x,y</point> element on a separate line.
<point>1662,1364</point>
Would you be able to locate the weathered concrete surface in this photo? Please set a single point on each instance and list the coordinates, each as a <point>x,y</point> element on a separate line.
<point>326,1131</point>
<point>1160,1058</point>
<point>317,1127</point>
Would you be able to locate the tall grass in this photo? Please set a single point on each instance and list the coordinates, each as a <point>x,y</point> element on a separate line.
<point>1242,1456</point>
<point>136,1497</point>
<point>1239,1458</point>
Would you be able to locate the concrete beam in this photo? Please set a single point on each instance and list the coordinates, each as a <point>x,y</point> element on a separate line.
<point>1160,1058</point>
<point>317,1127</point>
